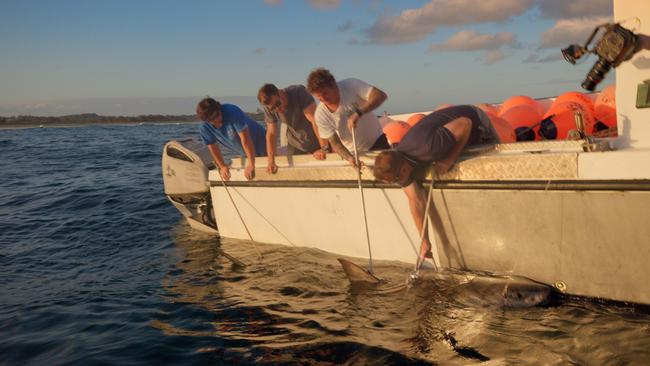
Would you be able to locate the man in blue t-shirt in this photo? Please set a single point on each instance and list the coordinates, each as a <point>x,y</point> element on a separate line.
<point>439,137</point>
<point>229,127</point>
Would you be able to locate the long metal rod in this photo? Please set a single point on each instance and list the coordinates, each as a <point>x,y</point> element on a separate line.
<point>425,224</point>
<point>250,237</point>
<point>234,260</point>
<point>363,201</point>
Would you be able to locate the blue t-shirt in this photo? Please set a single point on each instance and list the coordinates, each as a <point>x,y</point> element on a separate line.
<point>234,122</point>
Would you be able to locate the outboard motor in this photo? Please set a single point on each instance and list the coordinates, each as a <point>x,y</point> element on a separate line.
<point>185,166</point>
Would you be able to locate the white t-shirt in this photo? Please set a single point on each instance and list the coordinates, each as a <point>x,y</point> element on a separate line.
<point>354,92</point>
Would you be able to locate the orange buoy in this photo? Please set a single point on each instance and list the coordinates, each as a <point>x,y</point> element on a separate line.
<point>504,130</point>
<point>605,111</point>
<point>384,120</point>
<point>524,119</point>
<point>520,100</point>
<point>395,130</point>
<point>575,97</point>
<point>488,108</point>
<point>443,106</point>
<point>560,119</point>
<point>415,118</point>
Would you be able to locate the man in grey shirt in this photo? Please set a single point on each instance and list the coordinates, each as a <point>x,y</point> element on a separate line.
<point>294,107</point>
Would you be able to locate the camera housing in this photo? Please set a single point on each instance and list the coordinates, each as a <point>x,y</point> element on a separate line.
<point>616,45</point>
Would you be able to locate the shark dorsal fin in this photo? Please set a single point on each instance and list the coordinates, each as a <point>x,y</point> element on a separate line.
<point>357,274</point>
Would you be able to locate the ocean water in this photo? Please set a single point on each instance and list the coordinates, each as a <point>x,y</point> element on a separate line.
<point>96,267</point>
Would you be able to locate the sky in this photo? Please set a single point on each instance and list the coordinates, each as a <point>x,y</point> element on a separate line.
<point>131,57</point>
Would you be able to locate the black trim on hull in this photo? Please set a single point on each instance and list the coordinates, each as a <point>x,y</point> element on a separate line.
<point>526,185</point>
<point>563,299</point>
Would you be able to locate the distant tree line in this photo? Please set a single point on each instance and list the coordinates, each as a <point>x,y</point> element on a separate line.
<point>93,118</point>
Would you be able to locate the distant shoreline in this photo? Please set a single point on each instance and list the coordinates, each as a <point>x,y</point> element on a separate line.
<point>9,126</point>
<point>88,119</point>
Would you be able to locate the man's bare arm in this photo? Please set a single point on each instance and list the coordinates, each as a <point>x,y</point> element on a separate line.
<point>271,133</point>
<point>417,203</point>
<point>309,114</point>
<point>376,98</point>
<point>224,170</point>
<point>340,149</point>
<point>249,150</point>
<point>417,198</point>
<point>319,153</point>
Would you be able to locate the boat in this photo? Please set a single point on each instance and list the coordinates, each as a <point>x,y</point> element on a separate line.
<point>572,214</point>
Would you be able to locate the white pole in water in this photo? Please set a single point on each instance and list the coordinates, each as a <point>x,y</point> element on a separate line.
<point>363,201</point>
<point>425,222</point>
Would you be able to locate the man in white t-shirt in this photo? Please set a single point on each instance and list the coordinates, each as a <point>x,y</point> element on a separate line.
<point>343,106</point>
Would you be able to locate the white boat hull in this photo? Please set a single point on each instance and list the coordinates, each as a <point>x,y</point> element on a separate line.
<point>585,242</point>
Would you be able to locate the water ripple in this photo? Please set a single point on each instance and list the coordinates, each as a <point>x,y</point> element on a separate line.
<point>96,267</point>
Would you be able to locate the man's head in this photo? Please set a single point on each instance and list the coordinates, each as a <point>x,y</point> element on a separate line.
<point>392,167</point>
<point>209,110</point>
<point>271,98</point>
<point>322,85</point>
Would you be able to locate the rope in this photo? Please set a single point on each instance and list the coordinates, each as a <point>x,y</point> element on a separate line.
<point>265,219</point>
<point>239,214</point>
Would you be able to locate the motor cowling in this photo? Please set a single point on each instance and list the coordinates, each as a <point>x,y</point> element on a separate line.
<point>185,167</point>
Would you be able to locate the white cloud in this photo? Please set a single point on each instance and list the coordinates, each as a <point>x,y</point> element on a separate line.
<point>565,9</point>
<point>469,40</point>
<point>552,57</point>
<point>567,31</point>
<point>273,2</point>
<point>534,58</point>
<point>493,56</point>
<point>325,4</point>
<point>414,24</point>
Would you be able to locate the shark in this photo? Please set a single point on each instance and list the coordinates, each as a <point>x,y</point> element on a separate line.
<point>487,290</point>
<point>506,291</point>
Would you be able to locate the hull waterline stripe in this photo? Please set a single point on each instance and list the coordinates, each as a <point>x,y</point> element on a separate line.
<point>529,185</point>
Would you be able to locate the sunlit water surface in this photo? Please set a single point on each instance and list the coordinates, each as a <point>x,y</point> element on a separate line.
<point>96,267</point>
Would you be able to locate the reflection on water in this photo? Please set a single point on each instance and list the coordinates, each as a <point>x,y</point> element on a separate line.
<point>295,305</point>
<point>96,267</point>
<point>294,301</point>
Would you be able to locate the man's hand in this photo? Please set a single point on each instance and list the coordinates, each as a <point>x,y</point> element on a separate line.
<point>442,167</point>
<point>224,171</point>
<point>319,154</point>
<point>249,172</point>
<point>425,250</point>
<point>353,162</point>
<point>271,168</point>
<point>352,121</point>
